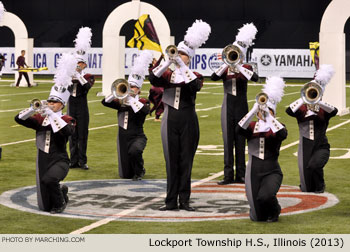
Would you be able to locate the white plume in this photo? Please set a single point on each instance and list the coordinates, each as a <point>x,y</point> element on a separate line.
<point>324,74</point>
<point>197,34</point>
<point>83,39</point>
<point>274,88</point>
<point>142,62</point>
<point>67,64</point>
<point>2,10</point>
<point>247,34</point>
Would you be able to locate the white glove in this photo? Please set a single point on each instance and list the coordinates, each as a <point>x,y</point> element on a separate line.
<point>109,98</point>
<point>273,123</point>
<point>46,111</point>
<point>161,68</point>
<point>296,105</point>
<point>134,103</point>
<point>220,71</point>
<point>326,107</point>
<point>246,72</point>
<point>57,123</point>
<point>186,73</point>
<point>26,113</point>
<point>80,78</point>
<point>245,121</point>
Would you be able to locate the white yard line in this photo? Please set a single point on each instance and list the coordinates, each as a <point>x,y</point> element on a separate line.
<point>161,197</point>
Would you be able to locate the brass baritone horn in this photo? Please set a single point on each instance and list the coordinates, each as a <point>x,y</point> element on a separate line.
<point>311,93</point>
<point>261,98</point>
<point>232,55</point>
<point>171,51</point>
<point>120,89</point>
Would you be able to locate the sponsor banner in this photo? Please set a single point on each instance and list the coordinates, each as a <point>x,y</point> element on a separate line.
<point>204,62</point>
<point>295,63</point>
<point>291,63</point>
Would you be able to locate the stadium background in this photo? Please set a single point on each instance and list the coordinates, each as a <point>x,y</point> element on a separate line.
<point>281,24</point>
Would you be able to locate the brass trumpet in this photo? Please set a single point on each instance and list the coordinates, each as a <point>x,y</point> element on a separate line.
<point>36,104</point>
<point>232,55</point>
<point>171,51</point>
<point>120,89</point>
<point>311,93</point>
<point>261,98</point>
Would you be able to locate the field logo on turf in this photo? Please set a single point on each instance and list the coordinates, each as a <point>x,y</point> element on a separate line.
<point>98,199</point>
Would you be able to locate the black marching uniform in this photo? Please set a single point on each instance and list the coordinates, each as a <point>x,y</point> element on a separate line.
<point>52,159</point>
<point>234,107</point>
<point>180,133</point>
<point>78,109</point>
<point>314,149</point>
<point>263,176</point>
<point>131,140</point>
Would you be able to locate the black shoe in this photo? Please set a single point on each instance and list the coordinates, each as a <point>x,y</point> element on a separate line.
<point>240,180</point>
<point>169,208</point>
<point>186,206</point>
<point>137,178</point>
<point>321,190</point>
<point>274,217</point>
<point>85,167</point>
<point>56,210</point>
<point>64,189</point>
<point>226,182</point>
<point>74,165</point>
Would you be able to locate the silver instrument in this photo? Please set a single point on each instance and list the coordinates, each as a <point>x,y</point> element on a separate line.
<point>37,105</point>
<point>171,51</point>
<point>120,89</point>
<point>232,55</point>
<point>262,99</point>
<point>311,93</point>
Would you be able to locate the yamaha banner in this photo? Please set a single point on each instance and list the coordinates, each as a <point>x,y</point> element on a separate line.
<point>295,63</point>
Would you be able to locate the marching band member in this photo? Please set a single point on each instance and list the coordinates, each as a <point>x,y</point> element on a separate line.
<point>179,128</point>
<point>2,63</point>
<point>21,63</point>
<point>155,95</point>
<point>52,131</point>
<point>235,76</point>
<point>263,175</point>
<point>78,104</point>
<point>132,112</point>
<point>313,116</point>
<point>2,57</point>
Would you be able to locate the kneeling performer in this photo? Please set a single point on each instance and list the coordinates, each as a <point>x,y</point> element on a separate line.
<point>263,175</point>
<point>132,112</point>
<point>52,132</point>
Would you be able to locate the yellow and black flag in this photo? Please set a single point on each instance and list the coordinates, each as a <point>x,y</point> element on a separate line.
<point>145,36</point>
<point>314,50</point>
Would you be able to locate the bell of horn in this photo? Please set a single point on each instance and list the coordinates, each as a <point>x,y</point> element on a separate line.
<point>36,104</point>
<point>171,51</point>
<point>232,55</point>
<point>261,98</point>
<point>311,93</point>
<point>120,89</point>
